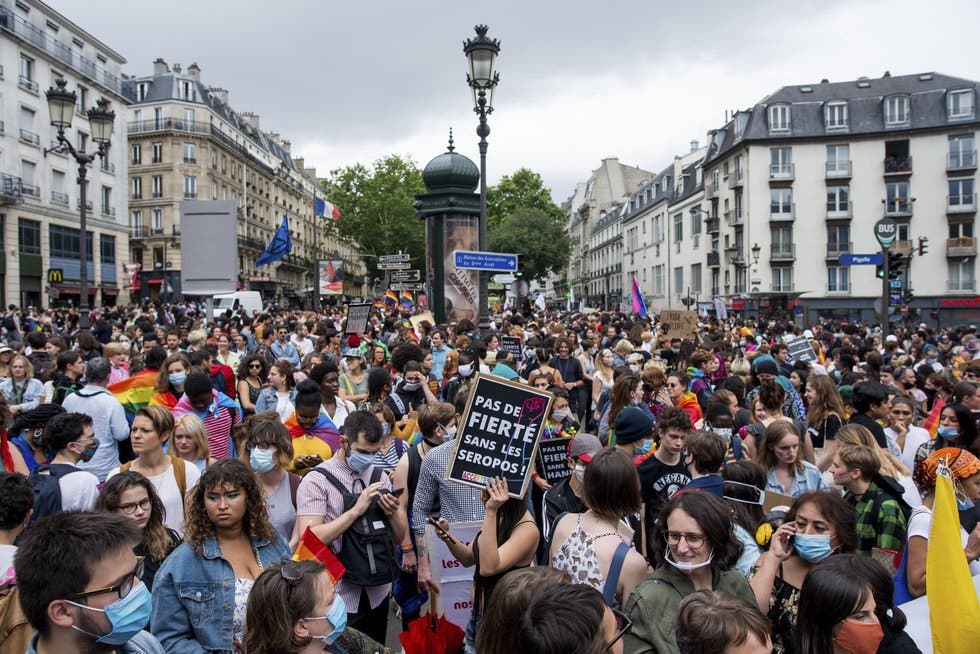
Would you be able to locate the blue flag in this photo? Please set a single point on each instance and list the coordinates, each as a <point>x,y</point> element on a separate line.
<point>280,246</point>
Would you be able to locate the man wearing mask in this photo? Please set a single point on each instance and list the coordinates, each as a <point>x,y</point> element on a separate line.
<point>465,374</point>
<point>71,438</point>
<point>80,587</point>
<point>566,495</point>
<point>107,415</point>
<point>411,393</point>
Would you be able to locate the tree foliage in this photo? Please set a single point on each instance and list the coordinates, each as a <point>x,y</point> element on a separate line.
<point>537,236</point>
<point>523,188</point>
<point>376,209</point>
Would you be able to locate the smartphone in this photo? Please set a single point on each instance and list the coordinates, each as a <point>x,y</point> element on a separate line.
<point>397,492</point>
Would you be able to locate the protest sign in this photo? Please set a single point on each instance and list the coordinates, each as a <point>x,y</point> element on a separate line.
<point>773,499</point>
<point>679,324</point>
<point>499,433</point>
<point>453,581</point>
<point>553,459</point>
<point>801,350</point>
<point>357,318</point>
<point>512,346</point>
<point>419,318</point>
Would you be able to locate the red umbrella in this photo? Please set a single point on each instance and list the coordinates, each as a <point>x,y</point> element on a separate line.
<point>432,634</point>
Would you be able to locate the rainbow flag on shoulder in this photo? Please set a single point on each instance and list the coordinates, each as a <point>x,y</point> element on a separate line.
<point>135,393</point>
<point>311,548</point>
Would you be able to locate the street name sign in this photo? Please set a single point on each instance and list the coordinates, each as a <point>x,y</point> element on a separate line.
<point>405,287</point>
<point>406,276</point>
<point>395,258</point>
<point>861,259</point>
<point>394,265</point>
<point>473,260</point>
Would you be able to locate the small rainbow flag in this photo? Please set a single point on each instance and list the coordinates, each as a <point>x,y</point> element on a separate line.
<point>311,548</point>
<point>135,393</point>
<point>408,300</point>
<point>390,297</point>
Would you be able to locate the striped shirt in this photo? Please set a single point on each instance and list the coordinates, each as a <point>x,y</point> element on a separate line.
<point>457,502</point>
<point>218,430</point>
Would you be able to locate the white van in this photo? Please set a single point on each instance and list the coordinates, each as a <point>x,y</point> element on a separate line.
<point>250,301</point>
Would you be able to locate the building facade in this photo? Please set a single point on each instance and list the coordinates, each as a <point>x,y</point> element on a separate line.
<point>187,142</point>
<point>39,191</point>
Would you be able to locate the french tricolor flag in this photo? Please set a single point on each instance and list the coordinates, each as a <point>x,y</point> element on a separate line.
<point>323,208</point>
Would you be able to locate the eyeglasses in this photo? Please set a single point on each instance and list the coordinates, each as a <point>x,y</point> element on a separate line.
<point>122,588</point>
<point>291,571</point>
<point>254,365</point>
<point>261,445</point>
<point>693,541</point>
<point>130,509</point>
<point>623,626</point>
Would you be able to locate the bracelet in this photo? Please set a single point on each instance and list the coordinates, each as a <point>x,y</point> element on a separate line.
<point>410,548</point>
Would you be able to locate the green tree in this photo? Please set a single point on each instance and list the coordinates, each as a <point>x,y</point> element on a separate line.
<point>523,188</point>
<point>537,236</point>
<point>376,209</point>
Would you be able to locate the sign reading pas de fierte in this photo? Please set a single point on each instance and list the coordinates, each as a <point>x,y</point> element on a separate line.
<point>499,433</point>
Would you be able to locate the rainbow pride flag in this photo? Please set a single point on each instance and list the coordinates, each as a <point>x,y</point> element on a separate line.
<point>390,297</point>
<point>311,548</point>
<point>408,300</point>
<point>135,392</point>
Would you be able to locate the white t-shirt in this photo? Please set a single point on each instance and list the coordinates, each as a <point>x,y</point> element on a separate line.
<point>344,409</point>
<point>919,523</point>
<point>915,437</point>
<point>166,486</point>
<point>79,490</point>
<point>284,407</point>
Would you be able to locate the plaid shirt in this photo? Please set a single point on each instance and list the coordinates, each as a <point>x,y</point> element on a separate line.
<point>886,530</point>
<point>457,502</point>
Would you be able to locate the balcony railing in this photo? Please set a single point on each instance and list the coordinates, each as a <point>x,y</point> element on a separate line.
<point>190,194</point>
<point>108,167</point>
<point>156,194</point>
<point>713,189</point>
<point>714,259</point>
<point>31,190</point>
<point>834,250</point>
<point>64,53</point>
<point>782,211</point>
<point>29,137</point>
<point>836,210</point>
<point>898,207</point>
<point>782,252</point>
<point>27,83</point>
<point>844,287</point>
<point>10,189</point>
<point>713,225</point>
<point>735,178</point>
<point>898,165</point>
<point>902,247</point>
<point>781,288</point>
<point>168,124</point>
<point>838,169</point>
<point>957,285</point>
<point>190,160</point>
<point>733,218</point>
<point>964,246</point>
<point>957,203</point>
<point>781,171</point>
<point>965,160</point>
<point>57,197</point>
<point>108,211</point>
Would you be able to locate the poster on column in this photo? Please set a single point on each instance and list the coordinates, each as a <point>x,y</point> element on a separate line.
<point>462,286</point>
<point>499,433</point>
<point>454,582</point>
<point>331,276</point>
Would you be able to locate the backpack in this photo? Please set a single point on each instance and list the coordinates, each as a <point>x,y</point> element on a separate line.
<point>890,489</point>
<point>47,489</point>
<point>180,472</point>
<point>9,324</point>
<point>368,552</point>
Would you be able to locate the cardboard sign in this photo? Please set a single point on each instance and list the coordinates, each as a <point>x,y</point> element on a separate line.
<point>679,324</point>
<point>499,434</point>
<point>801,350</point>
<point>512,346</point>
<point>357,318</point>
<point>553,459</point>
<point>772,500</point>
<point>418,318</point>
<point>453,581</point>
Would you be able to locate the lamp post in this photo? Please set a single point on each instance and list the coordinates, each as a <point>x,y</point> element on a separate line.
<point>61,106</point>
<point>481,53</point>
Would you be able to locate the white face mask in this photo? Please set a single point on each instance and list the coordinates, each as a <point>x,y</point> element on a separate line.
<point>688,568</point>
<point>578,472</point>
<point>450,433</point>
<point>466,370</point>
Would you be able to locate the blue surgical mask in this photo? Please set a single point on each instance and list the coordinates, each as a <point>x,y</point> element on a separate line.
<point>359,461</point>
<point>644,446</point>
<point>337,617</point>
<point>949,432</point>
<point>177,378</point>
<point>813,547</point>
<point>261,460</point>
<point>127,615</point>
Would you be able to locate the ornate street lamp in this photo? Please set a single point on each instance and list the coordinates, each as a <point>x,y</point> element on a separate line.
<point>61,107</point>
<point>481,53</point>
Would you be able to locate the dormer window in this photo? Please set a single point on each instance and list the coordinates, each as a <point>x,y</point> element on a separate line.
<point>741,120</point>
<point>779,118</point>
<point>835,116</point>
<point>897,110</point>
<point>960,104</point>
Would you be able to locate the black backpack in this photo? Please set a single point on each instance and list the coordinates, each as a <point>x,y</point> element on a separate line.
<point>890,489</point>
<point>47,489</point>
<point>368,551</point>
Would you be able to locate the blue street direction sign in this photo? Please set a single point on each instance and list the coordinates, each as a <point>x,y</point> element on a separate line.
<point>861,259</point>
<point>496,261</point>
<point>895,283</point>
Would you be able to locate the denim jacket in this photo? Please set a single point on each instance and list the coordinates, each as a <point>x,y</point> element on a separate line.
<point>194,597</point>
<point>808,480</point>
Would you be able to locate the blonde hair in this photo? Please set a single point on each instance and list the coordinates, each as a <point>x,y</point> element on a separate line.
<point>601,368</point>
<point>113,348</point>
<point>852,434</point>
<point>28,368</point>
<point>196,336</point>
<point>740,366</point>
<point>191,424</point>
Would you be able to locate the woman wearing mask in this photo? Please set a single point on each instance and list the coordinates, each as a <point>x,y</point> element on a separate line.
<point>745,483</point>
<point>392,448</point>
<point>594,547</point>
<point>695,548</point>
<point>781,455</point>
<point>132,495</point>
<point>464,377</point>
<point>201,590</point>
<point>21,390</point>
<point>965,469</point>
<point>268,452</point>
<point>294,609</point>
<point>956,429</point>
<point>817,525</point>
<point>570,370</point>
<point>506,542</point>
<point>170,381</point>
<point>191,441</point>
<point>252,374</point>
<point>280,394</point>
<point>837,614</point>
<point>824,417</point>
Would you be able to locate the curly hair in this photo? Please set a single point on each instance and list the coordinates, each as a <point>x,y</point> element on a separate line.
<point>243,367</point>
<point>255,525</point>
<point>155,535</point>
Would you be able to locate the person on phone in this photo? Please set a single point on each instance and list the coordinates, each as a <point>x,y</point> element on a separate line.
<point>347,501</point>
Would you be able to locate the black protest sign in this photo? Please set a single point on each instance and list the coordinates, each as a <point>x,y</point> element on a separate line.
<point>357,318</point>
<point>553,459</point>
<point>512,346</point>
<point>499,433</point>
<point>801,350</point>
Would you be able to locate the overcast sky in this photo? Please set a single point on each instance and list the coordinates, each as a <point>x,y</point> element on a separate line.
<point>351,82</point>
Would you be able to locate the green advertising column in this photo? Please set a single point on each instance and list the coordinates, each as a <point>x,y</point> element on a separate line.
<point>451,211</point>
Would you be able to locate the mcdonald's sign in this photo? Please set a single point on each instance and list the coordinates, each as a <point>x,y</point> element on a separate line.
<point>56,275</point>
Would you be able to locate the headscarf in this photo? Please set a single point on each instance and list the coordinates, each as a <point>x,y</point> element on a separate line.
<point>961,463</point>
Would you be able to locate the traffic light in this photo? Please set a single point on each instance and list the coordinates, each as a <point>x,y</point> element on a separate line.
<point>896,265</point>
<point>907,296</point>
<point>923,248</point>
<point>880,270</point>
<point>520,267</point>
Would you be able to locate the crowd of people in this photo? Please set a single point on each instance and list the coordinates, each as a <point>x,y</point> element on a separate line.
<point>159,471</point>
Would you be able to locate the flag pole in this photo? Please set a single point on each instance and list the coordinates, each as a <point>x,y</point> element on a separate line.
<point>316,257</point>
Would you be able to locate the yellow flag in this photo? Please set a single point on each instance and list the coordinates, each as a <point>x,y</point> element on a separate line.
<point>954,611</point>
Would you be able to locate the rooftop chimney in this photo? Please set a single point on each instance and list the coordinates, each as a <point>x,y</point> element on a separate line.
<point>888,73</point>
<point>694,145</point>
<point>160,67</point>
<point>274,137</point>
<point>220,93</point>
<point>194,71</point>
<point>298,162</point>
<point>176,69</point>
<point>825,81</point>
<point>251,118</point>
<point>286,145</point>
